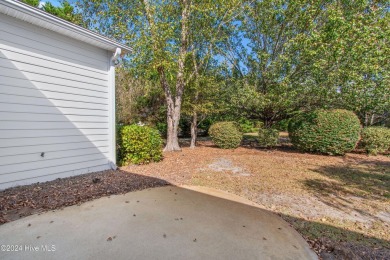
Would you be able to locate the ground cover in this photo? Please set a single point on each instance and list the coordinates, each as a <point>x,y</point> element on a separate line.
<point>340,204</point>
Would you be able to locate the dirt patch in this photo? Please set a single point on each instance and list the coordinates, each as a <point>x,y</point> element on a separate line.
<point>226,165</point>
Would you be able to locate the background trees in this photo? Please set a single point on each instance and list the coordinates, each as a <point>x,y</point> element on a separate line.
<point>301,55</point>
<point>196,61</point>
<point>65,10</point>
<point>165,36</point>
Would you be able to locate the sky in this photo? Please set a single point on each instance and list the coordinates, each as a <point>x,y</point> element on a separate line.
<point>53,2</point>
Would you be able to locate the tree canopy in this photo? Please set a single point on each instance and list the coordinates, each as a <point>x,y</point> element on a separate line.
<point>301,55</point>
<point>167,38</point>
<point>65,11</point>
<point>199,61</point>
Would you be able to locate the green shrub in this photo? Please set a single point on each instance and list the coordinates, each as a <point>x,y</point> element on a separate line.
<point>162,128</point>
<point>139,145</point>
<point>375,140</point>
<point>225,135</point>
<point>268,137</point>
<point>205,125</point>
<point>333,132</point>
<point>245,125</point>
<point>282,125</point>
<point>258,124</point>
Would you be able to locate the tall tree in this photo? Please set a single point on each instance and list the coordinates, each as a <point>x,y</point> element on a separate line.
<point>362,33</point>
<point>161,34</point>
<point>306,54</point>
<point>271,79</point>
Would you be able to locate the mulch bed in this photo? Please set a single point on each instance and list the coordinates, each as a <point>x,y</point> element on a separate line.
<point>23,201</point>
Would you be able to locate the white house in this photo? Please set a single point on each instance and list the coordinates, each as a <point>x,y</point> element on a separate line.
<point>57,97</point>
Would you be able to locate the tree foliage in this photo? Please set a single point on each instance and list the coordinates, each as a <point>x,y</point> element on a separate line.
<point>65,11</point>
<point>165,36</point>
<point>202,97</point>
<point>258,60</point>
<point>301,55</point>
<point>34,3</point>
<point>137,99</point>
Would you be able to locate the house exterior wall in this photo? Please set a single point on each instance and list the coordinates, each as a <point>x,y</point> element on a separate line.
<point>56,105</point>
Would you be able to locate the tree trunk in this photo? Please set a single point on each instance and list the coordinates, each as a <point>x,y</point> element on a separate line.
<point>194,129</point>
<point>194,120</point>
<point>366,118</point>
<point>267,123</point>
<point>173,118</point>
<point>372,120</point>
<point>173,99</point>
<point>174,105</point>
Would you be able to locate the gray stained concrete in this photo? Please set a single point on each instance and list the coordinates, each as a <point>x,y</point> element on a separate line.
<point>161,223</point>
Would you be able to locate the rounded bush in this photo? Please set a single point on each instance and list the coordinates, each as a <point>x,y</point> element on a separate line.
<point>225,135</point>
<point>375,140</point>
<point>139,145</point>
<point>333,132</point>
<point>268,137</point>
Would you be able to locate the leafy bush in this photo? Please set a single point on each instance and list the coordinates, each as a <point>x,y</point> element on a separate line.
<point>225,135</point>
<point>333,132</point>
<point>282,125</point>
<point>162,128</point>
<point>245,125</point>
<point>268,137</point>
<point>258,124</point>
<point>139,145</point>
<point>375,140</point>
<point>205,125</point>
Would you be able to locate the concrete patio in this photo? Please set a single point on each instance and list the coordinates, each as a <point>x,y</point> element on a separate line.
<point>161,223</point>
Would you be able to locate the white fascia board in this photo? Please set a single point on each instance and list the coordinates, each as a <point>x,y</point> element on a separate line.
<point>48,21</point>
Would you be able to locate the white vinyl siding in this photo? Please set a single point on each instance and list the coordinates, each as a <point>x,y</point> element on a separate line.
<point>55,102</point>
<point>49,43</point>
